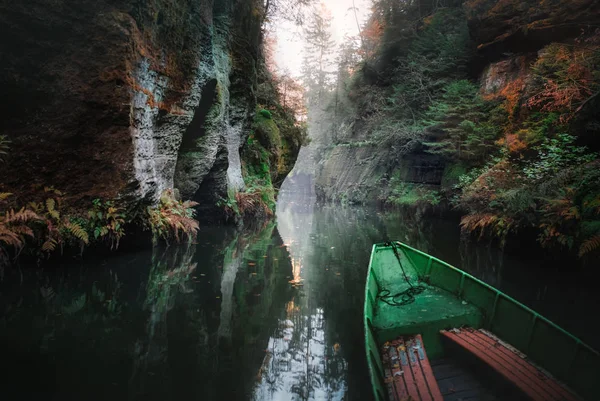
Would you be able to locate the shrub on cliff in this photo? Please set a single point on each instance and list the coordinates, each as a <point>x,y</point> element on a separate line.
<point>173,219</point>
<point>266,130</point>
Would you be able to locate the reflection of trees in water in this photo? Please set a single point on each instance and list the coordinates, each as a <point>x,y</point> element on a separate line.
<point>299,361</point>
<point>332,245</point>
<point>252,300</point>
<point>484,261</point>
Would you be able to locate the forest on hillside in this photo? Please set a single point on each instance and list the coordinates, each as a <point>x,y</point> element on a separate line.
<point>488,108</point>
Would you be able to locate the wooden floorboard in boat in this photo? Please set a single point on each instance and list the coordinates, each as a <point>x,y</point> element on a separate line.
<point>461,382</point>
<point>408,374</point>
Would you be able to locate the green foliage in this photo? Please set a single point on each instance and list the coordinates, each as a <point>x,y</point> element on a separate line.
<point>173,219</point>
<point>58,229</point>
<point>545,178</point>
<point>266,114</point>
<point>436,56</point>
<point>452,175</point>
<point>462,116</point>
<point>258,199</point>
<point>266,131</point>
<point>408,194</point>
<point>229,204</point>
<point>515,157</point>
<point>46,227</point>
<point>106,222</point>
<point>555,155</point>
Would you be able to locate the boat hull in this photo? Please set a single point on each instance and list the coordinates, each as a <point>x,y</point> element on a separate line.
<point>546,344</point>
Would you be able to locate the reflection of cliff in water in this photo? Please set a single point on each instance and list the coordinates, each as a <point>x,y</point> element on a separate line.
<point>167,288</point>
<point>191,321</point>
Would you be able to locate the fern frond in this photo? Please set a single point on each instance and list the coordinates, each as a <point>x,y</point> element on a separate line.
<point>22,216</point>
<point>78,232</point>
<point>10,238</point>
<point>3,147</point>
<point>22,230</point>
<point>75,306</point>
<point>53,190</point>
<point>51,208</point>
<point>50,245</point>
<point>589,246</point>
<point>190,204</point>
<point>474,222</point>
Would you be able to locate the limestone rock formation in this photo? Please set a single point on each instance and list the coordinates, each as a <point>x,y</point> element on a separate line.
<point>123,99</point>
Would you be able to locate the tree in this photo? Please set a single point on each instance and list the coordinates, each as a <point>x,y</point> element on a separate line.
<point>318,55</point>
<point>291,93</point>
<point>289,10</point>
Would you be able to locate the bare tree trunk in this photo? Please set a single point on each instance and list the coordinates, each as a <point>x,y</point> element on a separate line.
<point>267,6</point>
<point>362,40</point>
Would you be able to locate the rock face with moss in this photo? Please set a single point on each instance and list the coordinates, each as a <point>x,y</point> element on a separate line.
<point>122,100</point>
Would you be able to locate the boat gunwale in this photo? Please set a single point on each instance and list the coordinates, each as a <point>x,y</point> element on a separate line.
<point>373,375</point>
<point>508,297</point>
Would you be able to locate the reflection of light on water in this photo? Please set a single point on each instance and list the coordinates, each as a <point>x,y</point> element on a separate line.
<point>296,272</point>
<point>301,361</point>
<point>298,364</point>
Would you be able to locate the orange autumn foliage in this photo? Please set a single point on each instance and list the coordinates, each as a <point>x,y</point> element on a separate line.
<point>567,79</point>
<point>512,93</point>
<point>514,143</point>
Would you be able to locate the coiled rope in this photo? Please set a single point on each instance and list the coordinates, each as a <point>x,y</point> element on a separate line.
<point>405,297</point>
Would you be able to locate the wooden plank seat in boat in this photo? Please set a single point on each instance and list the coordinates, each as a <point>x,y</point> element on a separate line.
<point>408,373</point>
<point>509,363</point>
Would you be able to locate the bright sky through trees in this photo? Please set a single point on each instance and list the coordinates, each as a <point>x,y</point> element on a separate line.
<point>290,42</point>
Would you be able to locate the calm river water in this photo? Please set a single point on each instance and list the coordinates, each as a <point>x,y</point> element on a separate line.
<point>272,313</point>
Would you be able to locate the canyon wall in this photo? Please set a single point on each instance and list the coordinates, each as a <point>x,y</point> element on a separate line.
<point>124,99</point>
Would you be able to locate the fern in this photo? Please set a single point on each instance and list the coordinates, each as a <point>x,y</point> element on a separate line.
<point>51,208</point>
<point>14,229</point>
<point>4,142</point>
<point>173,219</point>
<point>75,306</point>
<point>10,238</point>
<point>50,245</point>
<point>78,232</point>
<point>5,195</point>
<point>20,217</point>
<point>589,246</point>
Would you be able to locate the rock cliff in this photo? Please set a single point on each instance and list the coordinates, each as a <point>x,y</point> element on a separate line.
<point>124,99</point>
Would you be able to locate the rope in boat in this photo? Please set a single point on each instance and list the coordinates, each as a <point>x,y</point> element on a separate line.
<point>407,296</point>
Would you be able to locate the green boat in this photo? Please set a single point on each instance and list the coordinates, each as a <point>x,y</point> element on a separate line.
<point>434,332</point>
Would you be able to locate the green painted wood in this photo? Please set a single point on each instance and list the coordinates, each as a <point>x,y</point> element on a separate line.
<point>453,298</point>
